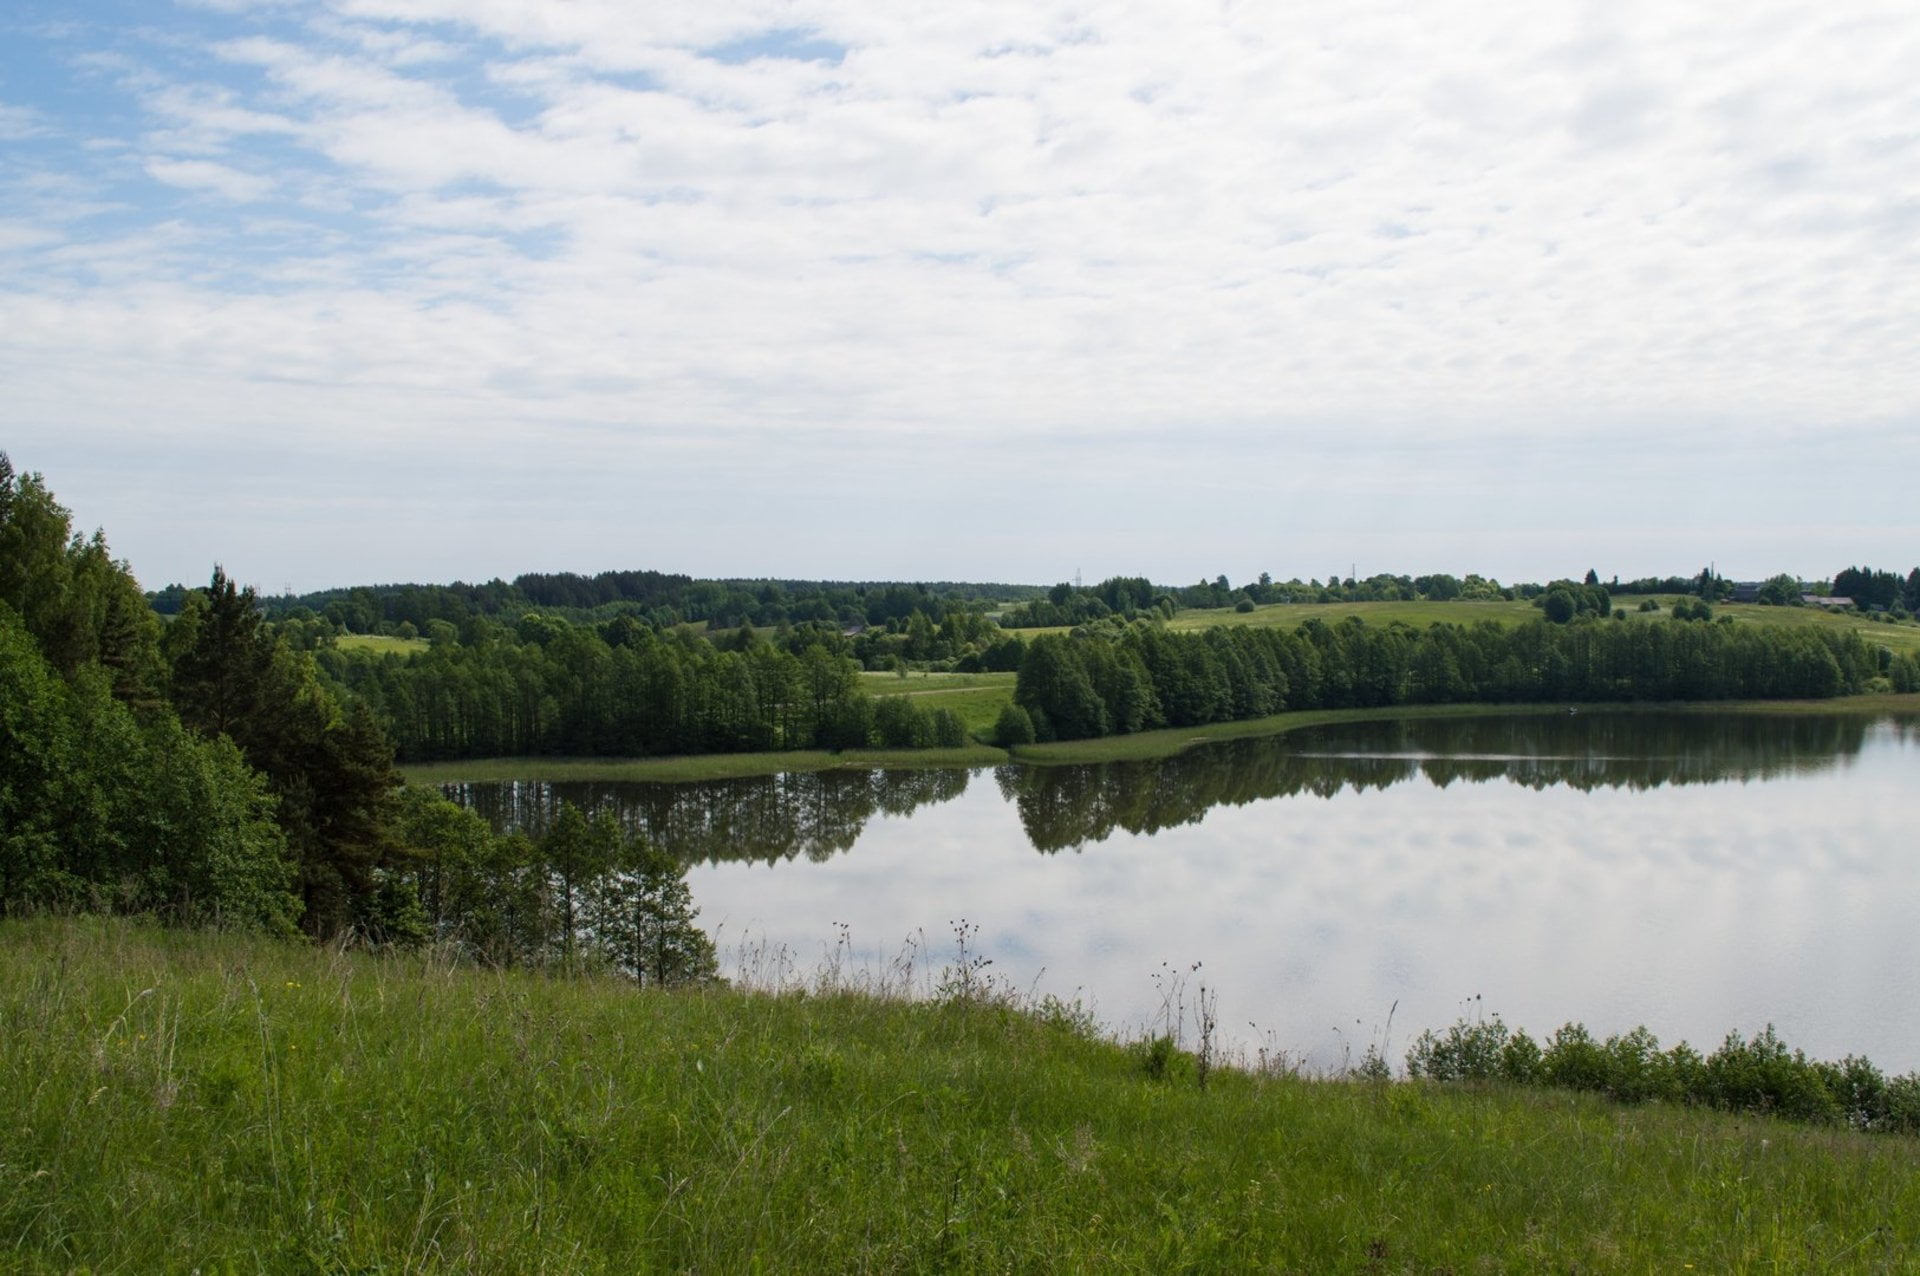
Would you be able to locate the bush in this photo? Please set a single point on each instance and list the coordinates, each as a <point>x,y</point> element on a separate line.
<point>949,730</point>
<point>1013,727</point>
<point>902,724</point>
<point>1469,1051</point>
<point>1162,1060</point>
<point>1761,1075</point>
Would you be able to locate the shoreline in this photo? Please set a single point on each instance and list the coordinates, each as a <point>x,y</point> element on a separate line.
<point>1141,746</point>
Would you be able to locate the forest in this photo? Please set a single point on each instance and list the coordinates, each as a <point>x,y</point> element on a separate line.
<point>1145,677</point>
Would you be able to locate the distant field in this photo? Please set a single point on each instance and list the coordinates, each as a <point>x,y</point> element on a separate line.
<point>381,643</point>
<point>1899,637</point>
<point>976,697</point>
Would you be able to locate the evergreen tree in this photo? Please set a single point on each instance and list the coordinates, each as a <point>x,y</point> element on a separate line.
<point>330,766</point>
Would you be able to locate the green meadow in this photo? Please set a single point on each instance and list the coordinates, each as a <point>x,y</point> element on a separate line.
<point>188,1101</point>
<point>976,697</point>
<point>381,644</point>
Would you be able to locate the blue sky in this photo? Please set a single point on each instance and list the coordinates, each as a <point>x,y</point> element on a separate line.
<point>422,289</point>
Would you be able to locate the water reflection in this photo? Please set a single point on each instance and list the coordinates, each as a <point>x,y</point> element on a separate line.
<point>1064,808</point>
<point>1694,874</point>
<point>763,819</point>
<point>816,815</point>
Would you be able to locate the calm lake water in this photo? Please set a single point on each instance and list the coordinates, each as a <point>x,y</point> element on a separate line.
<point>1696,874</point>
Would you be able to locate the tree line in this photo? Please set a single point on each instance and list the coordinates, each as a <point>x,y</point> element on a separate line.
<point>628,690</point>
<point>661,599</point>
<point>1096,684</point>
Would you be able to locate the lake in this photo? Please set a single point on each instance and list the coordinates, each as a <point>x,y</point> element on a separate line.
<point>1350,885</point>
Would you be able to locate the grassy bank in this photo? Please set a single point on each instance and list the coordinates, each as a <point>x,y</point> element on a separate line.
<point>1118,748</point>
<point>190,1101</point>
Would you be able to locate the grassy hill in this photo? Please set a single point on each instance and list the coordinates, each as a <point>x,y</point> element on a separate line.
<point>183,1102</point>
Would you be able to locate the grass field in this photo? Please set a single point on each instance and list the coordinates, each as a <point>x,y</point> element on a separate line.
<point>381,643</point>
<point>197,1102</point>
<point>1899,637</point>
<point>976,697</point>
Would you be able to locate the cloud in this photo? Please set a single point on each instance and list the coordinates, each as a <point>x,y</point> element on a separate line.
<point>205,175</point>
<point>987,224</point>
<point>18,123</point>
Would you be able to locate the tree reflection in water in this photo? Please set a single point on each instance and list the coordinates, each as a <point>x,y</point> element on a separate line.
<point>764,819</point>
<point>770,819</point>
<point>1064,808</point>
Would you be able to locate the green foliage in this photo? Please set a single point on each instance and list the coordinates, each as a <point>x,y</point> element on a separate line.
<point>641,916</point>
<point>1566,600</point>
<point>586,893</point>
<point>1145,677</point>
<point>99,809</point>
<point>1470,1050</point>
<point>1757,1075</point>
<point>1780,591</point>
<point>1014,727</point>
<point>1161,1059</point>
<point>328,763</point>
<point>81,606</point>
<point>900,723</point>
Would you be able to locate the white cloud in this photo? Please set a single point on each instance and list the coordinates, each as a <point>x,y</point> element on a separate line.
<point>998,221</point>
<point>229,183</point>
<point>18,123</point>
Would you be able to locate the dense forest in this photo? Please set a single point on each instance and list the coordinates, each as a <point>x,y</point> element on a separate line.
<point>625,689</point>
<point>1145,677</point>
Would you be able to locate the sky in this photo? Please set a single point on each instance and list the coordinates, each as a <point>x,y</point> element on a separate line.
<point>354,291</point>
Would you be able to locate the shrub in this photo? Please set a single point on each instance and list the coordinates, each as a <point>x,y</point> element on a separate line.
<point>949,730</point>
<point>1761,1075</point>
<point>1574,1060</point>
<point>1013,727</point>
<point>1162,1060</point>
<point>1469,1051</point>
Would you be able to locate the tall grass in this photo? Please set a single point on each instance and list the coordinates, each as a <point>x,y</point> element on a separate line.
<point>182,1102</point>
